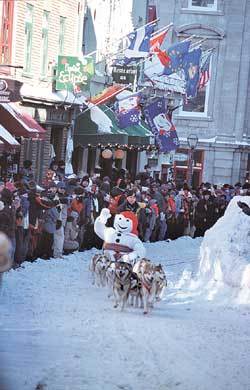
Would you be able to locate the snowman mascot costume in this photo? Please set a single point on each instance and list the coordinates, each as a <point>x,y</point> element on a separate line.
<point>120,241</point>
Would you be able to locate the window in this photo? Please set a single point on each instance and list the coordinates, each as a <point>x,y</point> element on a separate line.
<point>28,37</point>
<point>151,13</point>
<point>203,4</point>
<point>45,32</point>
<point>62,34</point>
<point>6,31</point>
<point>198,106</point>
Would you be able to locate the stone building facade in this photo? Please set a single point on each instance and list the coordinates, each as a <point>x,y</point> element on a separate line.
<point>220,117</point>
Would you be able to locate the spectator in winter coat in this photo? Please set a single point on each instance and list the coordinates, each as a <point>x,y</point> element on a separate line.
<point>26,172</point>
<point>71,233</point>
<point>201,215</point>
<point>50,218</point>
<point>144,176</point>
<point>129,204</point>
<point>60,172</point>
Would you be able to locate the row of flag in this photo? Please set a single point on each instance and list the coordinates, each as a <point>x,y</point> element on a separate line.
<point>181,59</point>
<point>192,63</point>
<point>159,118</point>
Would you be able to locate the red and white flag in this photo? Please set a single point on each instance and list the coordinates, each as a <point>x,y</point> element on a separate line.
<point>155,46</point>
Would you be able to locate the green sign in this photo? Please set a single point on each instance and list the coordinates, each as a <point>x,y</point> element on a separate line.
<point>74,74</point>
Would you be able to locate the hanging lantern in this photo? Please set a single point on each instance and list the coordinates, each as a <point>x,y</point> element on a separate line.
<point>119,154</point>
<point>107,153</point>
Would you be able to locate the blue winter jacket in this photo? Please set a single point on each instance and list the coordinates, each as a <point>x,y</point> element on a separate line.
<point>50,218</point>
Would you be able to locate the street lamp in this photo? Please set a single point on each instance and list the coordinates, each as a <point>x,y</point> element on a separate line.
<point>192,141</point>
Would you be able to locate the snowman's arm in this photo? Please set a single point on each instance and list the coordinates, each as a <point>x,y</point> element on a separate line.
<point>100,222</point>
<point>99,228</point>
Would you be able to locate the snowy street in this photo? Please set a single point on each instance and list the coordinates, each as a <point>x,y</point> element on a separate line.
<point>59,331</point>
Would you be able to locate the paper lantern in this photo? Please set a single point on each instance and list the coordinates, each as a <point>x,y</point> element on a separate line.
<point>119,154</point>
<point>107,153</point>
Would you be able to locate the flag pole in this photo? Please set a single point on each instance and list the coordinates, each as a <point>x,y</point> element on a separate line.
<point>161,30</point>
<point>196,44</point>
<point>124,36</point>
<point>102,101</point>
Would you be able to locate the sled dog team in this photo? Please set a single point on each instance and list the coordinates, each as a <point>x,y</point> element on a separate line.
<point>140,284</point>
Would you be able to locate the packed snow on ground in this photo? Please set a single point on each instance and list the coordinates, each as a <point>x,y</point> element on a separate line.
<point>62,333</point>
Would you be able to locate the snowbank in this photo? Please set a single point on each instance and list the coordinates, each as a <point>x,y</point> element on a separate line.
<point>224,270</point>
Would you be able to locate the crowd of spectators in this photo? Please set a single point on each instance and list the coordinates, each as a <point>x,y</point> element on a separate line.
<point>57,217</point>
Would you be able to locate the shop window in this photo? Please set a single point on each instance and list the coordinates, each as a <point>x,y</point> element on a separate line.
<point>152,15</point>
<point>6,31</point>
<point>62,29</point>
<point>28,37</point>
<point>45,34</point>
<point>209,5</point>
<point>197,106</point>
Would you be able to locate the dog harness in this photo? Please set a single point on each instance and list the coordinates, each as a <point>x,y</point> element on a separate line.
<point>117,248</point>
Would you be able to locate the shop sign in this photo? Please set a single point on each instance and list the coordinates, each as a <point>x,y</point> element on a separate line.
<point>180,157</point>
<point>74,74</point>
<point>124,74</point>
<point>10,90</point>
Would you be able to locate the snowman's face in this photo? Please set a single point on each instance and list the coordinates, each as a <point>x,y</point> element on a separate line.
<point>122,224</point>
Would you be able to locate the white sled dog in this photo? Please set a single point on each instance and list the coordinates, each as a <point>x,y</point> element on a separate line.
<point>98,266</point>
<point>161,282</point>
<point>122,283</point>
<point>153,281</point>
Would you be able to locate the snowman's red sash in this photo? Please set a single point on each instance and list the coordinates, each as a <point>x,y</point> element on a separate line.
<point>117,248</point>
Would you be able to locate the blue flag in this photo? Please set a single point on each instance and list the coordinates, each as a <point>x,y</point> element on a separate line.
<point>129,118</point>
<point>161,125</point>
<point>128,112</point>
<point>139,45</point>
<point>176,54</point>
<point>192,72</point>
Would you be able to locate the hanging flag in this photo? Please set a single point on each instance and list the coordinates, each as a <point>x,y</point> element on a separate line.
<point>192,72</point>
<point>129,118</point>
<point>204,69</point>
<point>128,111</point>
<point>161,125</point>
<point>155,43</point>
<point>176,54</point>
<point>139,45</point>
<point>107,94</point>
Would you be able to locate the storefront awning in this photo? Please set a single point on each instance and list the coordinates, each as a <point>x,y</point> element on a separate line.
<point>137,134</point>
<point>18,123</point>
<point>96,127</point>
<point>7,139</point>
